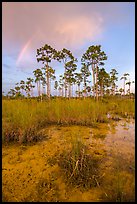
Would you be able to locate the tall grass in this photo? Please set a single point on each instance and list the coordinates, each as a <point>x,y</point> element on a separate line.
<point>78,167</point>
<point>21,119</point>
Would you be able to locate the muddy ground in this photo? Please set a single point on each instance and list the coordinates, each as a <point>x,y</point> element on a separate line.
<point>34,172</point>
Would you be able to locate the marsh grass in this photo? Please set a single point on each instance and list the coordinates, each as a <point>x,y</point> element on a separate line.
<point>120,188</point>
<point>80,169</point>
<point>120,183</point>
<point>47,190</point>
<point>21,119</point>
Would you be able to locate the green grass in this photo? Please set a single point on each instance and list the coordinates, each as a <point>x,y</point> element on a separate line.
<point>21,119</point>
<point>78,167</point>
<point>120,183</point>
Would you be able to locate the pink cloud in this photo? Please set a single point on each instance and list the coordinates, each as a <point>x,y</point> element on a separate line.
<point>67,24</point>
<point>74,32</point>
<point>58,22</point>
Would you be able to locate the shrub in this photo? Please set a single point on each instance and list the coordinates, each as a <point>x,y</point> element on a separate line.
<point>79,168</point>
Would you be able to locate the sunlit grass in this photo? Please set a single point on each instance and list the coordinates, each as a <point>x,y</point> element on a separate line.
<point>21,119</point>
<point>78,167</point>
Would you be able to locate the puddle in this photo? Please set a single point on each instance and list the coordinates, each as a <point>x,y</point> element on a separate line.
<point>33,173</point>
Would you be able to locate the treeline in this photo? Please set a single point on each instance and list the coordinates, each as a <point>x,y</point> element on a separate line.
<point>92,62</point>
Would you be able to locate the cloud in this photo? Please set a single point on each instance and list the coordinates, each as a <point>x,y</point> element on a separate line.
<point>63,24</point>
<point>32,25</point>
<point>74,32</point>
<point>57,23</point>
<point>58,19</point>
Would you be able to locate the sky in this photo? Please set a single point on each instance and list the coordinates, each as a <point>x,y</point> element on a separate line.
<point>27,26</point>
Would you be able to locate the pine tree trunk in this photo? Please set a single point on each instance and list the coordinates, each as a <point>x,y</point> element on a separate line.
<point>48,82</point>
<point>96,83</point>
<point>79,90</point>
<point>49,91</point>
<point>37,88</point>
<point>101,90</point>
<point>62,92</point>
<point>114,89</point>
<point>65,83</point>
<point>72,90</point>
<point>56,92</point>
<point>84,88</point>
<point>32,92</point>
<point>69,91</point>
<point>42,90</point>
<point>124,87</point>
<point>93,80</point>
<point>45,90</point>
<point>59,92</point>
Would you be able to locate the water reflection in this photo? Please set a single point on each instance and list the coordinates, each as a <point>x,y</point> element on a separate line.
<point>119,164</point>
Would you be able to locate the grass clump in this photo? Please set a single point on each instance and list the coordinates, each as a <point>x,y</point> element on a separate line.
<point>79,168</point>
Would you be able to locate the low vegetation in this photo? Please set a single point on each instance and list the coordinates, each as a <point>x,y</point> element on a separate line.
<point>79,168</point>
<point>21,119</point>
<point>68,167</point>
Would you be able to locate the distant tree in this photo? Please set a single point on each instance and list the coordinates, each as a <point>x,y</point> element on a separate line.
<point>46,54</point>
<point>27,89</point>
<point>67,57</point>
<point>22,86</point>
<point>103,81</point>
<point>51,76</point>
<point>56,87</point>
<point>29,86</point>
<point>129,84</point>
<point>85,74</point>
<point>78,78</point>
<point>124,78</point>
<point>12,92</point>
<point>61,85</point>
<point>43,83</point>
<point>17,88</point>
<point>38,77</point>
<point>113,79</point>
<point>70,79</point>
<point>88,90</point>
<point>116,90</point>
<point>94,57</point>
<point>121,91</point>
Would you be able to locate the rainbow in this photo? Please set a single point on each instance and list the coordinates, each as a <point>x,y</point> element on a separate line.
<point>23,50</point>
<point>26,46</point>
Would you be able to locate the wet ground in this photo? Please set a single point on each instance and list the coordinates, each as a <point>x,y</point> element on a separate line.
<point>33,172</point>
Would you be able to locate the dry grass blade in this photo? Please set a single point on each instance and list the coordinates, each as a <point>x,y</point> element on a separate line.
<point>74,169</point>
